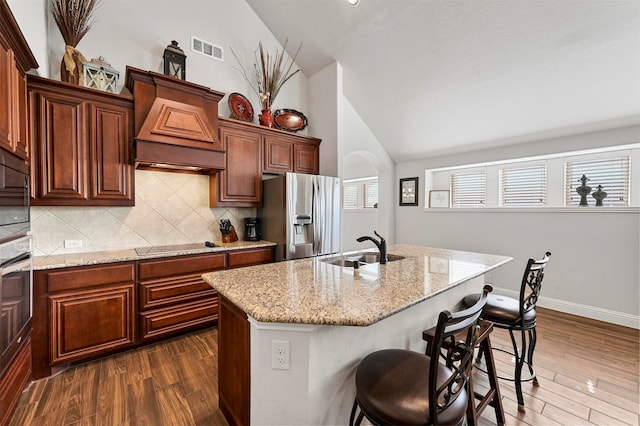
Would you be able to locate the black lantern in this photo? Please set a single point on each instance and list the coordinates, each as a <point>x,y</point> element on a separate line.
<point>175,61</point>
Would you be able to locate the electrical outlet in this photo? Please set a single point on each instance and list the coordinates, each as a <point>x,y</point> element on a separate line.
<point>72,244</point>
<point>280,354</point>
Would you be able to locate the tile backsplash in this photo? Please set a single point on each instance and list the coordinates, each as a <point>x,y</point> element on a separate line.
<point>171,208</point>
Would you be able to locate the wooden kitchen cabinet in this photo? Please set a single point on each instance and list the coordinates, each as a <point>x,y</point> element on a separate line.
<point>306,158</point>
<point>291,153</point>
<point>251,150</point>
<point>81,145</point>
<point>90,311</point>
<point>240,184</point>
<point>249,257</point>
<point>173,296</point>
<point>16,59</point>
<point>85,312</point>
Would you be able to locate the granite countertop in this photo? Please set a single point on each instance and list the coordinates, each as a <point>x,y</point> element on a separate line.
<point>99,257</point>
<point>311,291</point>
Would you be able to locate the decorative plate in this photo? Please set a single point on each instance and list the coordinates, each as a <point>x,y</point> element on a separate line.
<point>290,119</point>
<point>240,107</point>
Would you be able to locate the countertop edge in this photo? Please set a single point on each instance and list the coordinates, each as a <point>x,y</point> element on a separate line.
<point>41,263</point>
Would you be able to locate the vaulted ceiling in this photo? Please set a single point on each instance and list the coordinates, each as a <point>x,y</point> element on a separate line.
<point>432,77</point>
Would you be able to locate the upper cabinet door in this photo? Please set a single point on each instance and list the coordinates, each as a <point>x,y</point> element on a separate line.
<point>5,98</point>
<point>306,158</point>
<point>240,184</point>
<point>110,128</point>
<point>59,168</point>
<point>278,155</point>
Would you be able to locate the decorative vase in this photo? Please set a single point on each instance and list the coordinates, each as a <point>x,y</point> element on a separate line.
<point>599,195</point>
<point>583,190</point>
<point>266,118</point>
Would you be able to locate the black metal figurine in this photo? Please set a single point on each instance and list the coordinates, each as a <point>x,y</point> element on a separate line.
<point>583,190</point>
<point>599,195</point>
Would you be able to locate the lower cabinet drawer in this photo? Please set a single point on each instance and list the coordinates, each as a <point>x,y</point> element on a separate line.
<point>162,322</point>
<point>155,294</point>
<point>250,257</point>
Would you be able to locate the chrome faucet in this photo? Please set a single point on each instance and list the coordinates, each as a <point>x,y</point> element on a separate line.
<point>382,245</point>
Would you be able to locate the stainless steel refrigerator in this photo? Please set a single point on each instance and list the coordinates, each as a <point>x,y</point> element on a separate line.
<point>301,213</point>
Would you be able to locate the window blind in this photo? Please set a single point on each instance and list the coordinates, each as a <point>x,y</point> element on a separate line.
<point>612,174</point>
<point>350,195</point>
<point>370,195</point>
<point>469,189</point>
<point>523,186</point>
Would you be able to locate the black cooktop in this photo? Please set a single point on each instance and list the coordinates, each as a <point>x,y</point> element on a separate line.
<point>173,248</point>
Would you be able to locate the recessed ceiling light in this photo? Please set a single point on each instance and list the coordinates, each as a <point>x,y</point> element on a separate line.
<point>353,2</point>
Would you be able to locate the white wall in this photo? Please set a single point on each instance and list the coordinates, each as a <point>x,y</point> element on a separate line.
<point>355,138</point>
<point>323,102</point>
<point>32,17</point>
<point>344,133</point>
<point>594,269</point>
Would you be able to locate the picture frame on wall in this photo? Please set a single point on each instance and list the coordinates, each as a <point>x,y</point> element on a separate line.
<point>409,191</point>
<point>439,198</point>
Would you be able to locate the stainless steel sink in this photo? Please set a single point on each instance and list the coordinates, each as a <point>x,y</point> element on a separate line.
<point>364,259</point>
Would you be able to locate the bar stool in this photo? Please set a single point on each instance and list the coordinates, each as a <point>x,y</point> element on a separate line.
<point>492,397</point>
<point>402,387</point>
<point>518,316</point>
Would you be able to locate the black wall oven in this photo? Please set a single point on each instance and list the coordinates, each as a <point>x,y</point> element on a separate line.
<point>15,297</point>
<point>16,269</point>
<point>14,196</point>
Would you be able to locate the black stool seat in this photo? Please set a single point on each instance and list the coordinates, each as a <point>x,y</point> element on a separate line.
<point>393,385</point>
<point>501,309</point>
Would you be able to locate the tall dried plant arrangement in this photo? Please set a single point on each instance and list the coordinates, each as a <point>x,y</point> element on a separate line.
<point>74,19</point>
<point>271,73</point>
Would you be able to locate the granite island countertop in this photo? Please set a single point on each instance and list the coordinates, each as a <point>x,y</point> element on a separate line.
<point>109,256</point>
<point>312,291</point>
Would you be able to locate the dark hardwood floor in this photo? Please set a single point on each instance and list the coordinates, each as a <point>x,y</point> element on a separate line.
<point>588,373</point>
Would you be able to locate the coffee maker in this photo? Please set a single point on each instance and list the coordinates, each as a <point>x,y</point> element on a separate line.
<point>252,231</point>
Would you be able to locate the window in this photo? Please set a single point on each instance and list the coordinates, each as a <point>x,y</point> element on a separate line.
<point>469,189</point>
<point>350,195</point>
<point>523,186</point>
<point>611,173</point>
<point>360,193</point>
<point>370,190</point>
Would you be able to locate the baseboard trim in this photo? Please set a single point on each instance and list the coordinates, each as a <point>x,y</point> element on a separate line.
<point>592,312</point>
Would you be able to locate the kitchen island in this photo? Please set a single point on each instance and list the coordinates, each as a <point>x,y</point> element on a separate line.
<point>292,333</point>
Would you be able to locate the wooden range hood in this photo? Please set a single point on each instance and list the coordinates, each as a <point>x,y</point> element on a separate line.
<point>176,123</point>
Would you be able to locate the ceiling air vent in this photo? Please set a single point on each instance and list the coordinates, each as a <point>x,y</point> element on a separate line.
<point>207,49</point>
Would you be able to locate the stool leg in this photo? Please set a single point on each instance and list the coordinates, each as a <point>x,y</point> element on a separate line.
<point>472,414</point>
<point>533,338</point>
<point>353,412</point>
<point>496,401</point>
<point>479,357</point>
<point>519,354</point>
